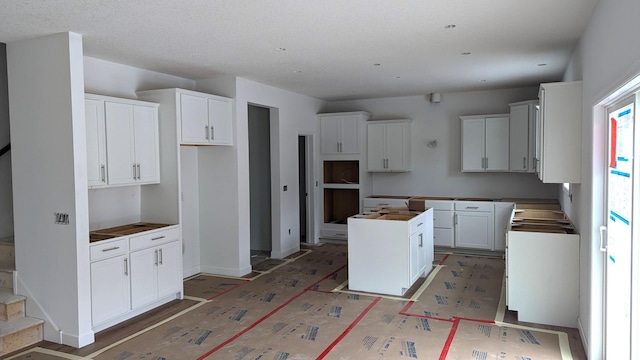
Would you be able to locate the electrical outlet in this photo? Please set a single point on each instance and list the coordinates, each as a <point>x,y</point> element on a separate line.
<point>284,188</point>
<point>61,218</point>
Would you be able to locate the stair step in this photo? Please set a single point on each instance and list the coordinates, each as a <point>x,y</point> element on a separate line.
<point>11,305</point>
<point>19,333</point>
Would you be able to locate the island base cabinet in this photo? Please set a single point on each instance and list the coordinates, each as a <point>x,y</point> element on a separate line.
<point>110,294</point>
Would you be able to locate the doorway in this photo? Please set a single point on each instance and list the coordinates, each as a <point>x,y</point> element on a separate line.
<point>305,188</point>
<point>259,123</point>
<point>620,246</point>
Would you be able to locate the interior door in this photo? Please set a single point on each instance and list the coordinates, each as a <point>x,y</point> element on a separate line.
<point>618,247</point>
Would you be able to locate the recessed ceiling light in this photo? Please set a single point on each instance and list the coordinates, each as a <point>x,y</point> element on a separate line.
<point>465,53</point>
<point>450,26</point>
<point>281,49</point>
<point>297,71</point>
<point>542,64</point>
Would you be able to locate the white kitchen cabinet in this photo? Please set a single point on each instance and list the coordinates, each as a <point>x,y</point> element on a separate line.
<point>474,224</point>
<point>502,214</point>
<point>560,135</point>
<point>388,145</point>
<point>155,269</point>
<point>96,143</point>
<point>110,292</point>
<point>340,132</point>
<point>381,201</point>
<point>543,277</point>
<point>522,137</point>
<point>388,252</point>
<point>443,232</point>
<point>485,143</point>
<point>132,143</point>
<point>206,119</point>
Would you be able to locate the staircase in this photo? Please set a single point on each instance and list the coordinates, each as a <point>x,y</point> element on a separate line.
<point>16,330</point>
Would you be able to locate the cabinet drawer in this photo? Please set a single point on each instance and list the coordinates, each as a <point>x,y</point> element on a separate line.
<point>439,205</point>
<point>443,219</point>
<point>416,225</point>
<point>153,238</point>
<point>474,206</point>
<point>384,202</point>
<point>109,249</point>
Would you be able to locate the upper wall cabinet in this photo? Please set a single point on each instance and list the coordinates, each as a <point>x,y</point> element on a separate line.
<point>388,145</point>
<point>485,143</point>
<point>202,119</point>
<point>122,141</point>
<point>559,132</point>
<point>339,132</point>
<point>522,136</point>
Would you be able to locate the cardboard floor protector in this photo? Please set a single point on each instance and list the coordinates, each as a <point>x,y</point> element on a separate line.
<point>39,353</point>
<point>385,334</point>
<point>483,341</point>
<point>302,330</point>
<point>208,286</point>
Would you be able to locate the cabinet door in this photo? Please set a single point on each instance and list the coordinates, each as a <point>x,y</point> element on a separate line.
<point>396,151</point>
<point>416,257</point>
<point>329,128</point>
<point>109,289</point>
<point>144,278</point>
<point>169,269</point>
<point>376,147</point>
<point>519,138</point>
<point>474,230</point>
<point>497,144</point>
<point>220,121</point>
<point>194,119</point>
<point>146,147</point>
<point>349,134</point>
<point>120,143</point>
<point>473,144</point>
<point>96,143</point>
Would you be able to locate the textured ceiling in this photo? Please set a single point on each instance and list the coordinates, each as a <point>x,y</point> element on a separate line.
<point>333,49</point>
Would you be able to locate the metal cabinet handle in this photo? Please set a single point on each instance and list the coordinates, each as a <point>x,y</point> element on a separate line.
<point>111,249</point>
<point>103,173</point>
<point>158,238</point>
<point>156,253</point>
<point>420,224</point>
<point>524,162</point>
<point>134,171</point>
<point>138,166</point>
<point>212,133</point>
<point>486,163</point>
<point>126,266</point>
<point>471,207</point>
<point>206,130</point>
<point>603,236</point>
<point>160,251</point>
<point>420,245</point>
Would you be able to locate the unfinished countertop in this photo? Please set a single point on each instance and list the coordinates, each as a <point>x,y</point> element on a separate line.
<point>123,230</point>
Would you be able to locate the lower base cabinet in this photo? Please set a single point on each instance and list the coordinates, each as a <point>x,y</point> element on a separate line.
<point>110,295</point>
<point>130,275</point>
<point>153,273</point>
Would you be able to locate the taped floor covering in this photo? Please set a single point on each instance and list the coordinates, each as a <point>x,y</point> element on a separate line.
<point>298,309</point>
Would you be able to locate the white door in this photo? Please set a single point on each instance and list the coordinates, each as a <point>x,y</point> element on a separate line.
<point>329,141</point>
<point>96,147</point>
<point>497,144</point>
<point>349,134</point>
<point>194,121</point>
<point>621,182</point>
<point>473,144</point>
<point>395,146</point>
<point>169,269</point>
<point>144,277</point>
<point>375,147</point>
<point>146,147</point>
<point>120,151</point>
<point>220,121</point>
<point>109,288</point>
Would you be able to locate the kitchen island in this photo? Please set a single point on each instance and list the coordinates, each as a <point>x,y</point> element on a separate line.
<point>389,250</point>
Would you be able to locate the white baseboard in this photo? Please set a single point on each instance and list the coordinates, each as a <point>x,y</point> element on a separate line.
<point>191,271</point>
<point>583,336</point>
<point>216,270</point>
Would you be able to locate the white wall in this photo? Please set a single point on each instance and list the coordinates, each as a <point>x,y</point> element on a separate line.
<point>6,197</point>
<point>48,139</point>
<point>608,56</point>
<point>290,114</point>
<point>436,172</point>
